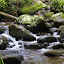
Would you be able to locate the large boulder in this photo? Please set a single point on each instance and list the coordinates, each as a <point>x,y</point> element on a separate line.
<point>11,57</point>
<point>58,19</point>
<point>20,33</point>
<point>3,42</point>
<point>32,8</point>
<point>33,23</point>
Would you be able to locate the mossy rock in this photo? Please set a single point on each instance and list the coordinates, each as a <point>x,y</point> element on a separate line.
<point>20,33</point>
<point>49,14</point>
<point>29,20</point>
<point>33,8</point>
<point>53,53</point>
<point>62,35</point>
<point>34,23</point>
<point>61,28</point>
<point>58,19</point>
<point>3,42</point>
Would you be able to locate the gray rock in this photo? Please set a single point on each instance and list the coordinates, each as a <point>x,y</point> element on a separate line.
<point>11,57</point>
<point>24,62</point>
<point>59,46</point>
<point>47,39</point>
<point>20,33</point>
<point>33,46</point>
<point>2,29</point>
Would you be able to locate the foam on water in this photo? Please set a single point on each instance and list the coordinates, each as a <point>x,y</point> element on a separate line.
<point>52,44</point>
<point>55,35</point>
<point>44,50</point>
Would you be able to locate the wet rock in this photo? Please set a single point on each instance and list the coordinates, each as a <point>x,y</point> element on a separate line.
<point>52,30</point>
<point>59,46</point>
<point>58,19</point>
<point>2,29</point>
<point>62,35</point>
<point>33,46</point>
<point>32,9</point>
<point>47,39</point>
<point>57,7</point>
<point>20,33</point>
<point>60,40</point>
<point>34,23</point>
<point>11,57</point>
<point>53,53</point>
<point>3,42</point>
<point>61,28</point>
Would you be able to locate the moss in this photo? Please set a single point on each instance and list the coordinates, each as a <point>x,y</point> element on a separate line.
<point>49,14</point>
<point>32,9</point>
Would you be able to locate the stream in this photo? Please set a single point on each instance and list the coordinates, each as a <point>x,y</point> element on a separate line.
<point>32,56</point>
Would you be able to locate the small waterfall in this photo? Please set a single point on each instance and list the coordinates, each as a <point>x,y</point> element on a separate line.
<point>12,39</point>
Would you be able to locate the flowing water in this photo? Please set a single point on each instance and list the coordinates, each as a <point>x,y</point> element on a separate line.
<point>32,56</point>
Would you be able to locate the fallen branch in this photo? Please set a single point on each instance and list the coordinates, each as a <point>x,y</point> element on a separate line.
<point>8,16</point>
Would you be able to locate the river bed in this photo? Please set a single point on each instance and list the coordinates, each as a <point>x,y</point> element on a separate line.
<point>32,56</point>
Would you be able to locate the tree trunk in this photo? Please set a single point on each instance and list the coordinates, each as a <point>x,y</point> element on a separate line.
<point>8,16</point>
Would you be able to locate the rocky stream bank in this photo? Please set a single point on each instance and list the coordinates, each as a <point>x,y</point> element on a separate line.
<point>35,37</point>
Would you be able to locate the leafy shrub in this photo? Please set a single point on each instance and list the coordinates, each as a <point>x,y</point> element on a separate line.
<point>26,2</point>
<point>57,6</point>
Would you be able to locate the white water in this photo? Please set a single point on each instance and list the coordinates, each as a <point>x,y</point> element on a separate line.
<point>17,46</point>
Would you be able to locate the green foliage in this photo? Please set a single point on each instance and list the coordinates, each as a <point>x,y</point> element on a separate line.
<point>26,2</point>
<point>3,5</point>
<point>1,61</point>
<point>57,5</point>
